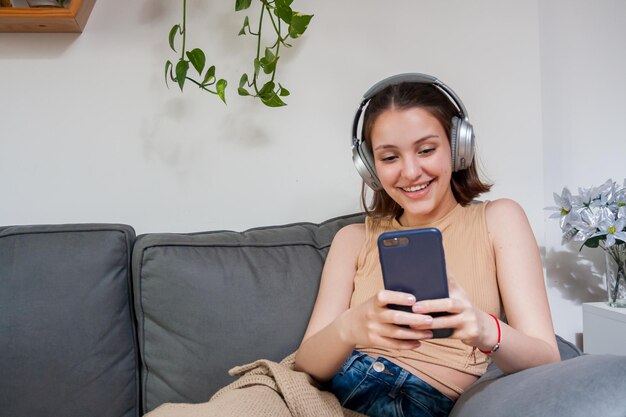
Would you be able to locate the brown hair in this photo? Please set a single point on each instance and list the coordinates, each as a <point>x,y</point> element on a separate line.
<point>466,184</point>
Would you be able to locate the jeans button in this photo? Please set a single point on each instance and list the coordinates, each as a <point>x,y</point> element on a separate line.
<point>379,367</point>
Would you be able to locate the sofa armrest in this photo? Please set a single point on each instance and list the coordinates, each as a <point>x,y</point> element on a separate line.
<point>578,386</point>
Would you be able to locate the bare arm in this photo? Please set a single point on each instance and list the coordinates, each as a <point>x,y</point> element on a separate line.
<point>335,329</point>
<point>323,350</point>
<point>528,339</point>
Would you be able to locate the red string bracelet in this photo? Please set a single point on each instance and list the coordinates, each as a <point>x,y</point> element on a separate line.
<point>497,345</point>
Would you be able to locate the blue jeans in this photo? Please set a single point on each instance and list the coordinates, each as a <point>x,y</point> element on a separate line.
<point>380,388</point>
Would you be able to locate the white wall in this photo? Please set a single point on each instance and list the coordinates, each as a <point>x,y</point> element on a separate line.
<point>89,133</point>
<point>583,90</point>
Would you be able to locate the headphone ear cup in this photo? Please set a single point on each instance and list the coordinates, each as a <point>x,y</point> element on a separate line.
<point>454,140</point>
<point>461,144</point>
<point>364,162</point>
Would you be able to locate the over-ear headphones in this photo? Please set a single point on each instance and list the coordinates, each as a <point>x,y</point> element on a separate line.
<point>461,132</point>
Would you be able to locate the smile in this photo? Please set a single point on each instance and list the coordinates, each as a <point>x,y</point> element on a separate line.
<point>416,187</point>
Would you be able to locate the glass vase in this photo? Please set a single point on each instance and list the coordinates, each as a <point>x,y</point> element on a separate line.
<point>616,275</point>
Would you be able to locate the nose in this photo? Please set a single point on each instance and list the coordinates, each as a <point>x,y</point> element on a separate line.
<point>411,168</point>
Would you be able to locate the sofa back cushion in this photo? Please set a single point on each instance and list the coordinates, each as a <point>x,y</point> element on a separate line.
<point>206,302</point>
<point>67,339</point>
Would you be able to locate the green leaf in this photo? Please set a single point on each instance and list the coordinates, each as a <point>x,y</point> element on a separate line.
<point>593,242</point>
<point>175,28</point>
<point>269,97</point>
<point>282,91</point>
<point>257,67</point>
<point>242,4</point>
<point>197,59</point>
<point>284,3</point>
<point>168,69</point>
<point>270,67</point>
<point>268,63</point>
<point>272,100</point>
<point>267,90</point>
<point>221,89</point>
<point>246,25</point>
<point>210,75</point>
<point>299,23</point>
<point>243,80</point>
<point>269,55</point>
<point>181,72</point>
<point>283,11</point>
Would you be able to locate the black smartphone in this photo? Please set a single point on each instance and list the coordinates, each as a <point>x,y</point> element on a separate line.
<point>413,261</point>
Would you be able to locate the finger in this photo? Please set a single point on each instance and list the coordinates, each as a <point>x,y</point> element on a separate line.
<point>386,297</point>
<point>446,322</point>
<point>440,305</point>
<point>399,317</point>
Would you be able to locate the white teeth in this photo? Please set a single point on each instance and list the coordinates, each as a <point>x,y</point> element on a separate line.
<point>416,188</point>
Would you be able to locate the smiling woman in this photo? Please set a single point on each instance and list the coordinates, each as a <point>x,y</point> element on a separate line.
<point>416,152</point>
<point>412,159</point>
<point>423,102</point>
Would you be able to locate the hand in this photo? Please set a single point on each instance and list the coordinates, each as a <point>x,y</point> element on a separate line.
<point>373,323</point>
<point>471,325</point>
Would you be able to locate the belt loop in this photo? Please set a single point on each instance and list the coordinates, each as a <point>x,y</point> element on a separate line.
<point>397,386</point>
<point>353,357</point>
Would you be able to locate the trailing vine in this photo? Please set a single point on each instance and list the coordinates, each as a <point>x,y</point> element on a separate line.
<point>284,22</point>
<point>197,58</point>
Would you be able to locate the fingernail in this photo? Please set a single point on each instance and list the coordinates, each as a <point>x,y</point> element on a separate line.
<point>428,320</point>
<point>417,308</point>
<point>411,299</point>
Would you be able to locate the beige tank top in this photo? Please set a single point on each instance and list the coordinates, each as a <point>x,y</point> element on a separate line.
<point>469,260</point>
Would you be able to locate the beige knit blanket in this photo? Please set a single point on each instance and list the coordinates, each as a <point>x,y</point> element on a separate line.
<point>264,389</point>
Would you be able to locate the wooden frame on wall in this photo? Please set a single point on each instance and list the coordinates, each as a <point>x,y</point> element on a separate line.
<point>54,20</point>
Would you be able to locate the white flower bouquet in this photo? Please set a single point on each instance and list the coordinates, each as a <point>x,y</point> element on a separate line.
<point>597,218</point>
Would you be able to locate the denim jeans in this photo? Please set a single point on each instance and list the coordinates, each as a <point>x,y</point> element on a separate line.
<point>380,388</point>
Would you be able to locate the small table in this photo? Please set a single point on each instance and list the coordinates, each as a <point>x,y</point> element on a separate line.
<point>604,329</point>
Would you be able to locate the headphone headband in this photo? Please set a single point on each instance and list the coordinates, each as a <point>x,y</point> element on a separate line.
<point>461,135</point>
<point>416,77</point>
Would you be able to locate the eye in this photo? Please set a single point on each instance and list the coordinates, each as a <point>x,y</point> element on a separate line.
<point>388,158</point>
<point>426,151</point>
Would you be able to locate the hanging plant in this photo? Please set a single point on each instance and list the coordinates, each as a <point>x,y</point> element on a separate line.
<point>285,23</point>
<point>196,57</point>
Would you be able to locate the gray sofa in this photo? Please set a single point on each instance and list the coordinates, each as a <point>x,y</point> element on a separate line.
<point>96,322</point>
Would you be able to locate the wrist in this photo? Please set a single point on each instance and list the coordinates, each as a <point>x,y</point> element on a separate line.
<point>490,348</point>
<point>343,328</point>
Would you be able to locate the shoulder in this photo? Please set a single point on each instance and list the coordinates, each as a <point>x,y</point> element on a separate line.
<point>503,216</point>
<point>496,210</point>
<point>350,237</point>
<point>345,248</point>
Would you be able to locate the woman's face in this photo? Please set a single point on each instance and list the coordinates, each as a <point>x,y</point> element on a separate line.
<point>413,162</point>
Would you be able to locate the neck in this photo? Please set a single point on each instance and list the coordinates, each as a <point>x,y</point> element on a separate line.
<point>407,219</point>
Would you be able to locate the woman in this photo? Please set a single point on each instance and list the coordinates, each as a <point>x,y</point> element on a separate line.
<point>417,155</point>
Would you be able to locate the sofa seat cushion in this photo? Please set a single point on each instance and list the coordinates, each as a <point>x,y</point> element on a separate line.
<point>67,339</point>
<point>206,302</point>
